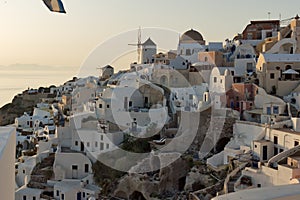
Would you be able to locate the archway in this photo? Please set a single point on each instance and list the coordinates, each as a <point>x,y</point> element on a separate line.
<point>164,80</point>
<point>137,196</point>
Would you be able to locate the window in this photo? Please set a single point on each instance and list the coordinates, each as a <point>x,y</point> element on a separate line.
<point>232,73</point>
<point>23,171</point>
<point>296,143</point>
<point>272,75</point>
<point>101,146</point>
<point>33,198</point>
<point>100,105</point>
<point>96,144</point>
<point>88,144</point>
<point>249,36</point>
<point>205,59</point>
<point>74,167</point>
<point>57,193</point>
<point>107,146</point>
<point>101,137</point>
<point>275,110</point>
<point>265,152</point>
<point>24,197</point>
<point>215,79</point>
<point>76,143</point>
<point>188,52</point>
<point>275,140</point>
<point>255,146</point>
<point>62,196</point>
<point>249,67</point>
<point>190,96</point>
<point>83,194</point>
<point>107,106</point>
<point>221,80</point>
<point>86,168</point>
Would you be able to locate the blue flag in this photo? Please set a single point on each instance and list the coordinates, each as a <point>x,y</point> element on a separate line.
<point>55,5</point>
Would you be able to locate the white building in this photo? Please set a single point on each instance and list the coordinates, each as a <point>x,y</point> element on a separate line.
<point>221,79</point>
<point>73,176</point>
<point>148,51</point>
<point>132,100</point>
<point>26,193</point>
<point>68,165</point>
<point>190,44</point>
<point>70,189</point>
<point>83,93</point>
<point>268,109</point>
<point>285,192</point>
<point>244,59</point>
<point>244,134</point>
<point>40,117</point>
<point>189,98</point>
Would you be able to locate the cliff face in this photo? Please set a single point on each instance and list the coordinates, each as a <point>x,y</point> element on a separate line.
<point>20,104</point>
<point>167,182</point>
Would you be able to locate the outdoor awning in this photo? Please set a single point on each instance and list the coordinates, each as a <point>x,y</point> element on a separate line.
<point>290,71</point>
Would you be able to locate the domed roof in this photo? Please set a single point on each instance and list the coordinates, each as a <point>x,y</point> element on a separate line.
<point>191,36</point>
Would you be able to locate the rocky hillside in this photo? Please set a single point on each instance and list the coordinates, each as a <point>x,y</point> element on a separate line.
<point>21,103</point>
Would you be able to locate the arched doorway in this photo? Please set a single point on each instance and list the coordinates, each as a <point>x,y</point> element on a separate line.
<point>137,196</point>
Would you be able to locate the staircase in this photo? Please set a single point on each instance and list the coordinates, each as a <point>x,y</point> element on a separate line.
<point>232,181</point>
<point>277,158</point>
<point>233,177</point>
<point>294,111</point>
<point>41,173</point>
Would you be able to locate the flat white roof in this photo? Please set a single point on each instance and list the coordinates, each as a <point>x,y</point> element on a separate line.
<point>67,185</point>
<point>5,133</point>
<point>29,191</point>
<point>275,192</point>
<point>282,57</point>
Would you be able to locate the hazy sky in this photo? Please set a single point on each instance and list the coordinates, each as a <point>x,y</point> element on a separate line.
<point>30,34</point>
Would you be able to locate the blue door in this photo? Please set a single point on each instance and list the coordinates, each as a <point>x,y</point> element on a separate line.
<point>269,110</point>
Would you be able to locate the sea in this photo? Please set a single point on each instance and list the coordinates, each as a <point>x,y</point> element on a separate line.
<point>16,78</point>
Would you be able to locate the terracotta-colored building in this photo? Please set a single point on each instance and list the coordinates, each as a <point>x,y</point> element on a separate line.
<point>241,96</point>
<point>259,30</point>
<point>212,57</point>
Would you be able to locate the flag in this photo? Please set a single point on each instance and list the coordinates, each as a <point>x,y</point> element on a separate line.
<point>55,5</point>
